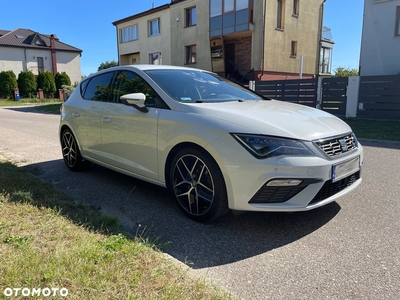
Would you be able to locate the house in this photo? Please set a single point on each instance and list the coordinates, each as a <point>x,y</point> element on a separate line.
<point>242,39</point>
<point>380,43</point>
<point>27,50</point>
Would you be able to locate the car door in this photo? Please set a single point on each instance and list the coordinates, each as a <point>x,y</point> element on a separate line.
<point>129,137</point>
<point>86,115</point>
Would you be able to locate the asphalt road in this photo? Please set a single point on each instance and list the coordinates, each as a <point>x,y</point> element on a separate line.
<point>346,250</point>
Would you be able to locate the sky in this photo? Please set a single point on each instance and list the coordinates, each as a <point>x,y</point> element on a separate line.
<point>87,25</point>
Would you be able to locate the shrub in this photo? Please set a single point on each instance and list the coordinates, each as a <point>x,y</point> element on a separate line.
<point>47,83</point>
<point>62,79</point>
<point>8,82</point>
<point>27,83</point>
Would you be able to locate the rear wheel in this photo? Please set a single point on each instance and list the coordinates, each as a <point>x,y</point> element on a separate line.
<point>198,185</point>
<point>71,154</point>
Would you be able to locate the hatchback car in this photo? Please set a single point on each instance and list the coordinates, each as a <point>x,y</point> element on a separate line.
<point>214,144</point>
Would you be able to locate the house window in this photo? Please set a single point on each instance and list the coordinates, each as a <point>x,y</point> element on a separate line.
<point>293,50</point>
<point>191,17</point>
<point>280,14</point>
<point>190,54</point>
<point>155,58</point>
<point>40,64</point>
<point>154,27</point>
<point>129,34</point>
<point>229,16</point>
<point>397,31</point>
<point>325,61</point>
<point>296,7</point>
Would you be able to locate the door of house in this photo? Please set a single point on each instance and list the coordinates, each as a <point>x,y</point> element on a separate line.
<point>40,64</point>
<point>230,60</point>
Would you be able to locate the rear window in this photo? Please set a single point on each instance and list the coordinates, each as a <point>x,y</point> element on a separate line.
<point>98,88</point>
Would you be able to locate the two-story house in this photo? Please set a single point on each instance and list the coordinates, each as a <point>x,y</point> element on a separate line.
<point>27,50</point>
<point>241,39</point>
<point>380,43</point>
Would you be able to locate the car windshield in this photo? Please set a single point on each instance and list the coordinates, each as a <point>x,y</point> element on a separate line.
<point>197,86</point>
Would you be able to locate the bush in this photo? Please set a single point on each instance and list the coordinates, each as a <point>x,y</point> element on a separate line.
<point>47,83</point>
<point>27,83</point>
<point>8,82</point>
<point>62,79</point>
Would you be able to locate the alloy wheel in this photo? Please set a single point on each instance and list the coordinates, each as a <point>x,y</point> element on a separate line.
<point>193,185</point>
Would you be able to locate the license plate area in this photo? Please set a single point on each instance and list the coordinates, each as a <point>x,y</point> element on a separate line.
<point>345,169</point>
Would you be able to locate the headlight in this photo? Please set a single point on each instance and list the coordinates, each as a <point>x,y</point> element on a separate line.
<point>265,146</point>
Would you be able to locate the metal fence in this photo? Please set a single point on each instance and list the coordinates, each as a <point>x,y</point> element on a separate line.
<point>379,97</point>
<point>334,95</point>
<point>302,91</point>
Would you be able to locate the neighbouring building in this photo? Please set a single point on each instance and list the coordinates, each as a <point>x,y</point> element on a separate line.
<point>380,43</point>
<point>241,39</point>
<point>27,50</point>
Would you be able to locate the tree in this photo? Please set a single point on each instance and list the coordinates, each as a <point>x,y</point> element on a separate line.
<point>107,64</point>
<point>345,72</point>
<point>8,82</point>
<point>62,79</point>
<point>27,83</point>
<point>47,83</point>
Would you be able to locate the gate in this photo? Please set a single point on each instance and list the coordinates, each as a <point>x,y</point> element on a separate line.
<point>334,95</point>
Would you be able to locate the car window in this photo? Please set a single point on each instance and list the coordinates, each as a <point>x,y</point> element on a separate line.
<point>99,87</point>
<point>128,82</point>
<point>197,86</point>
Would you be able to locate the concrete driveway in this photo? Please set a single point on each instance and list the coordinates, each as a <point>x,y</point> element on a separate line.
<point>346,250</point>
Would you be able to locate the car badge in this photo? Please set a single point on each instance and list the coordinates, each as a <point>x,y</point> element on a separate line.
<point>343,145</point>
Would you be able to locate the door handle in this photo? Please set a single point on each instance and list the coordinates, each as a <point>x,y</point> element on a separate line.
<point>106,119</point>
<point>76,114</point>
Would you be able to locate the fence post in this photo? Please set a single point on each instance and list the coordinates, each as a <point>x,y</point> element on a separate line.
<point>353,90</point>
<point>252,85</point>
<point>319,93</point>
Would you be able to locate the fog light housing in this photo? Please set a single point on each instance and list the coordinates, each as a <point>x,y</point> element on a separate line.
<point>284,182</point>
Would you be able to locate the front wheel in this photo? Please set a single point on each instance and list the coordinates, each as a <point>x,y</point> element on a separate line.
<point>70,151</point>
<point>198,185</point>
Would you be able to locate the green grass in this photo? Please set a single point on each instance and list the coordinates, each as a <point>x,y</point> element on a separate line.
<point>51,106</point>
<point>48,240</point>
<point>375,129</point>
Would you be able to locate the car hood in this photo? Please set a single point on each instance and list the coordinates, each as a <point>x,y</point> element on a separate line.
<point>272,117</point>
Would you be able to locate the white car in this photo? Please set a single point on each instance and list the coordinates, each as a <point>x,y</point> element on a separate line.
<point>215,144</point>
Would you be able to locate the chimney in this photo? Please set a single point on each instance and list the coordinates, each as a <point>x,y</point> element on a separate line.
<point>53,38</point>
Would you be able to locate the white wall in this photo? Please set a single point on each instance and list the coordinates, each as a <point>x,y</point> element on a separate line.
<point>380,48</point>
<point>19,59</point>
<point>70,63</point>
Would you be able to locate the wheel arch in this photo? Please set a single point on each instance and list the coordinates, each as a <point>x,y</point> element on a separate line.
<point>176,149</point>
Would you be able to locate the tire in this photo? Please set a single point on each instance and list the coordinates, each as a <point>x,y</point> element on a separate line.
<point>71,154</point>
<point>198,185</point>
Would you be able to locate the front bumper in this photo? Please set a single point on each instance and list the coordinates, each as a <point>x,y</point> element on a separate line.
<point>246,178</point>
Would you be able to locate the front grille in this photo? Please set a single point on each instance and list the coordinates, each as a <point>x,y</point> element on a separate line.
<point>275,194</point>
<point>338,145</point>
<point>331,188</point>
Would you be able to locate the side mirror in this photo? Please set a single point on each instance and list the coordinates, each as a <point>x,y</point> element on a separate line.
<point>136,100</point>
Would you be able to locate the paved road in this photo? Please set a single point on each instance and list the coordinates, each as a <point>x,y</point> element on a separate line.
<point>346,250</point>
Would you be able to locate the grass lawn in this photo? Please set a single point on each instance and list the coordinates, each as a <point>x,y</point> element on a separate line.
<point>375,129</point>
<point>48,241</point>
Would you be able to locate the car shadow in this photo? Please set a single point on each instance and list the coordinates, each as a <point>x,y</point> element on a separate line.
<point>149,211</point>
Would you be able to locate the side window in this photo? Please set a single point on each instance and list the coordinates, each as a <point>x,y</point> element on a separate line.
<point>99,87</point>
<point>128,82</point>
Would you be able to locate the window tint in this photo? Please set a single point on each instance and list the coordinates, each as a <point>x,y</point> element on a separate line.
<point>99,87</point>
<point>128,82</point>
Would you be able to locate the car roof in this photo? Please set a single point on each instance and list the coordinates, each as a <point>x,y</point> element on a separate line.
<point>144,67</point>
